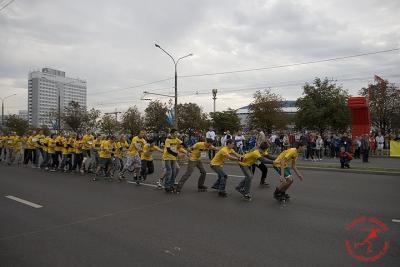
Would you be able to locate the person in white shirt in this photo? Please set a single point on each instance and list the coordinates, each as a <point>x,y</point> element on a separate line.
<point>239,141</point>
<point>380,141</point>
<point>211,135</point>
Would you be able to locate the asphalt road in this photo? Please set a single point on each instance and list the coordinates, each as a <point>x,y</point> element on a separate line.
<point>85,223</point>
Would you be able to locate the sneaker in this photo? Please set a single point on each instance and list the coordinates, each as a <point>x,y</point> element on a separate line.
<point>264,184</point>
<point>222,194</point>
<point>168,190</point>
<point>94,179</point>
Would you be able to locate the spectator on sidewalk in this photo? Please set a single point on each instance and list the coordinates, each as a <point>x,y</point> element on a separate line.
<point>211,135</point>
<point>319,144</point>
<point>345,158</point>
<point>357,146</point>
<point>365,148</point>
<point>380,142</point>
<point>372,144</point>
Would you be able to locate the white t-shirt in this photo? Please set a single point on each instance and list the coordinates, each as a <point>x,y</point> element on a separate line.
<point>239,140</point>
<point>210,134</point>
<point>380,140</point>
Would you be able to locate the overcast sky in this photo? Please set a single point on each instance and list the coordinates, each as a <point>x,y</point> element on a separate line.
<point>111,45</point>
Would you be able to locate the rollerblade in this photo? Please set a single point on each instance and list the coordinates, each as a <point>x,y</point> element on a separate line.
<point>222,194</point>
<point>239,189</point>
<point>159,185</point>
<point>247,197</point>
<point>202,188</point>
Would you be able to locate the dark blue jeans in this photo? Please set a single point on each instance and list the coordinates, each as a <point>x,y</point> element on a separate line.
<point>221,181</point>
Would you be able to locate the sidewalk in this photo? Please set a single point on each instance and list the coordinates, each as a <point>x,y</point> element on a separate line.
<point>376,165</point>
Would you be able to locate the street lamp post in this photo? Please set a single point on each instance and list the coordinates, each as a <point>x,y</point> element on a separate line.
<point>176,83</point>
<point>2,107</point>
<point>214,92</point>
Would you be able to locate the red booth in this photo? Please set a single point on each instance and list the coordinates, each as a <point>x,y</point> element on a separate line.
<point>360,118</point>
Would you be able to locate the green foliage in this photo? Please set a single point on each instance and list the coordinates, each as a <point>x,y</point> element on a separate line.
<point>132,121</point>
<point>265,112</point>
<point>384,105</point>
<point>109,125</point>
<point>191,116</point>
<point>75,117</point>
<point>225,120</point>
<point>155,116</point>
<point>16,124</point>
<point>322,107</point>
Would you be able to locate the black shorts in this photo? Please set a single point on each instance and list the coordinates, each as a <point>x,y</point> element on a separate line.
<point>105,162</point>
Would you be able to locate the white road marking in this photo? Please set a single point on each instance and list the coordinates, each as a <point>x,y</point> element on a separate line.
<point>396,220</point>
<point>36,206</point>
<point>229,175</point>
<point>151,185</point>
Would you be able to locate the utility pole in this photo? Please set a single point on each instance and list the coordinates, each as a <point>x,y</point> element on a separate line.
<point>214,92</point>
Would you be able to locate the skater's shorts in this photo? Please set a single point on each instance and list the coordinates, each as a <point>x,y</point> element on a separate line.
<point>286,171</point>
<point>133,162</point>
<point>105,162</point>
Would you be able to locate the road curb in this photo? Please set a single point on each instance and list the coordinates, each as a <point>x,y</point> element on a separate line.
<point>358,171</point>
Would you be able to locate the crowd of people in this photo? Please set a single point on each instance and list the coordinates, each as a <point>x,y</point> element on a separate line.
<point>112,158</point>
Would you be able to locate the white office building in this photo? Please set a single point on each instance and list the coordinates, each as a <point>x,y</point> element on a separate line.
<point>46,89</point>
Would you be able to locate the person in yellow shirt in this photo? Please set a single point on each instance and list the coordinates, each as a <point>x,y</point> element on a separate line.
<point>51,150</point>
<point>133,160</point>
<point>44,143</point>
<point>105,162</point>
<point>87,146</point>
<point>281,166</point>
<point>59,146</point>
<point>39,149</point>
<point>11,143</point>
<point>2,138</point>
<point>30,149</point>
<point>78,154</point>
<point>195,161</point>
<point>147,165</point>
<point>217,163</point>
<point>259,154</point>
<point>121,148</point>
<point>170,154</point>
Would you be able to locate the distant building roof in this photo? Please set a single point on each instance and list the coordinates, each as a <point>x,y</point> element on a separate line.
<point>288,106</point>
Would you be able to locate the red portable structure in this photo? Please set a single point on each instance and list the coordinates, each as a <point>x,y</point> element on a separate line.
<point>360,118</point>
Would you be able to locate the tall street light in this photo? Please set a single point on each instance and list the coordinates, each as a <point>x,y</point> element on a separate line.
<point>2,107</point>
<point>176,83</point>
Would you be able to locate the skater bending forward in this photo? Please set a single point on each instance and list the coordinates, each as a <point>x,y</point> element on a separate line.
<point>281,166</point>
<point>259,154</point>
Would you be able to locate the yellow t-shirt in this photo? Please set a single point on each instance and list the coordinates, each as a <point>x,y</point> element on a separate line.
<point>136,141</point>
<point>30,144</point>
<point>120,148</point>
<point>59,143</point>
<point>105,149</point>
<point>51,145</point>
<point>289,154</point>
<point>251,158</point>
<point>44,143</point>
<point>87,141</point>
<point>37,138</point>
<point>173,144</point>
<point>219,158</point>
<point>147,152</point>
<point>195,153</point>
<point>78,146</point>
<point>18,142</point>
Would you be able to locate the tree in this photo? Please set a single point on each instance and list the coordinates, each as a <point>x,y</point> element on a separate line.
<point>132,121</point>
<point>155,116</point>
<point>384,105</point>
<point>109,125</point>
<point>16,124</point>
<point>191,116</point>
<point>323,107</point>
<point>225,120</point>
<point>266,112</point>
<point>75,117</point>
<point>92,122</point>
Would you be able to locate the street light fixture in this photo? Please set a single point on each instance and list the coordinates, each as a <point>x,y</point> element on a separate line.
<point>2,107</point>
<point>176,83</point>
